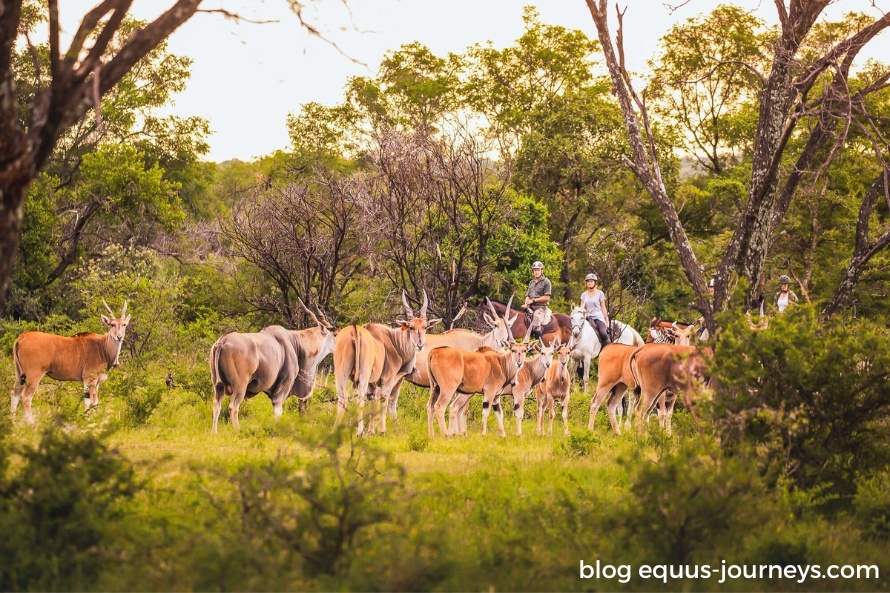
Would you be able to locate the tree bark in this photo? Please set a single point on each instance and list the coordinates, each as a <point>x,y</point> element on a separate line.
<point>864,250</point>
<point>644,162</point>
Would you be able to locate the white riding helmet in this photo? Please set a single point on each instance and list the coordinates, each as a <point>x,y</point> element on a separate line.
<point>591,277</point>
<point>537,266</point>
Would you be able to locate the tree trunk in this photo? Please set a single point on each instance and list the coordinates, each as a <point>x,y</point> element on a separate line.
<point>644,163</point>
<point>863,251</point>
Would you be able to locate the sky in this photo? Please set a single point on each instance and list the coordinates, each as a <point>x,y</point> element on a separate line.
<point>247,77</point>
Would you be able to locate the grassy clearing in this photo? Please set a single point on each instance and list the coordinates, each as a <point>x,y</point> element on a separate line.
<point>266,508</point>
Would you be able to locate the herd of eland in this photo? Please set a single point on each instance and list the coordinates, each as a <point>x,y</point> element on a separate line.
<point>372,360</point>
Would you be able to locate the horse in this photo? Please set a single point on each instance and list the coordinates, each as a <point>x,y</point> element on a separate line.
<point>559,327</point>
<point>587,343</point>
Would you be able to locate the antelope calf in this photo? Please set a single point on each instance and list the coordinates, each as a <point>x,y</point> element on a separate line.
<point>486,371</point>
<point>556,385</point>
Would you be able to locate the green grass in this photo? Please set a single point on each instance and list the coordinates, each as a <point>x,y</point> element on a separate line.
<point>234,510</point>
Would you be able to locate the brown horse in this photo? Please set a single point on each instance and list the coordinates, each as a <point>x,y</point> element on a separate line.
<point>559,327</point>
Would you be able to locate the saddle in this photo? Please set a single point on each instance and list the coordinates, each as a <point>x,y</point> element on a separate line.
<point>538,319</point>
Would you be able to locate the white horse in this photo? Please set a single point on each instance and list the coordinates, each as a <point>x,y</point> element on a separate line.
<point>587,343</point>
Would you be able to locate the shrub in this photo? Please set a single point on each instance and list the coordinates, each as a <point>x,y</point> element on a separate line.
<point>579,444</point>
<point>690,506</point>
<point>872,504</point>
<point>808,394</point>
<point>57,509</point>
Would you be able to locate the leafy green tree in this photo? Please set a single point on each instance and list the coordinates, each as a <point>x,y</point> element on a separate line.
<point>510,86</point>
<point>75,81</point>
<point>570,159</point>
<point>705,82</point>
<point>414,89</point>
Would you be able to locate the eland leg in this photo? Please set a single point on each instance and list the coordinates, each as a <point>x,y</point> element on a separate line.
<point>519,411</point>
<point>499,414</point>
<point>565,412</point>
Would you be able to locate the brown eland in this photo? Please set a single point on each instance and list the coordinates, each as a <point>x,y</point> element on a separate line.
<point>486,371</point>
<point>614,380</point>
<point>276,361</point>
<point>84,357</point>
<point>531,373</point>
<point>462,339</point>
<point>400,346</point>
<point>556,386</point>
<point>666,371</point>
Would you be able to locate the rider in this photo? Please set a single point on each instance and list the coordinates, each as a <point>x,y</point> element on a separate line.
<point>593,301</point>
<point>538,294</point>
<point>785,296</point>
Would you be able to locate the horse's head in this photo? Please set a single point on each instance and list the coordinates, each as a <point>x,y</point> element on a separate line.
<point>579,316</point>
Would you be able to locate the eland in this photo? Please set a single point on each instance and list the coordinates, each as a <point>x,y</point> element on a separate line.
<point>84,357</point>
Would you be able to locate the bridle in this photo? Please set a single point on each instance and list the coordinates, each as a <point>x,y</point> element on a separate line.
<point>576,329</point>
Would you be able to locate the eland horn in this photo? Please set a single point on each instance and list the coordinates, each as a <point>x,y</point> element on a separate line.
<point>408,312</point>
<point>490,306</point>
<point>109,308</point>
<point>426,302</point>
<point>310,313</point>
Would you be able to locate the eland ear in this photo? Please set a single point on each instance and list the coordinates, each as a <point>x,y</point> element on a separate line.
<point>106,320</point>
<point>510,322</point>
<point>433,322</point>
<point>491,322</point>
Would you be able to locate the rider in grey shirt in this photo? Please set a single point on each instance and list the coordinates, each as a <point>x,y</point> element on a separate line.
<point>593,301</point>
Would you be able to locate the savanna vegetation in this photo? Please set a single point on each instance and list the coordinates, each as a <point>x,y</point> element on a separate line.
<point>451,174</point>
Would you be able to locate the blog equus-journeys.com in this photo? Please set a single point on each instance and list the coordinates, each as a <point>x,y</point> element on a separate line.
<point>727,571</point>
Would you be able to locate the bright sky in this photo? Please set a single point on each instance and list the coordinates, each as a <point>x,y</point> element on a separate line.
<point>247,77</point>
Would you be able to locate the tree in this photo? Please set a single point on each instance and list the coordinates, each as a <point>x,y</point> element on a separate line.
<point>705,81</point>
<point>75,82</point>
<point>437,204</point>
<point>307,237</point>
<point>803,81</point>
<point>569,158</point>
<point>507,86</point>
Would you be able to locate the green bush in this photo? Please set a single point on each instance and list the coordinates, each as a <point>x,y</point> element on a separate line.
<point>579,444</point>
<point>58,508</point>
<point>808,395</point>
<point>872,504</point>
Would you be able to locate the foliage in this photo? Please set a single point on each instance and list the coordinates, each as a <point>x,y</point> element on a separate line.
<point>809,395</point>
<point>694,500</point>
<point>58,509</point>
<point>318,511</point>
<point>705,80</point>
<point>872,504</point>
